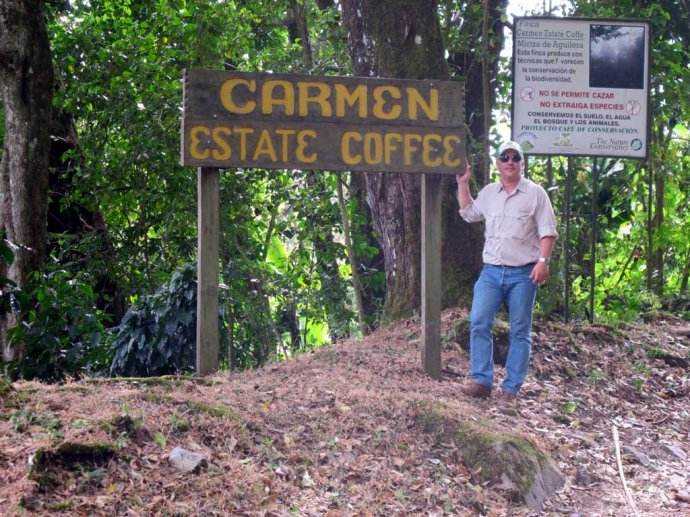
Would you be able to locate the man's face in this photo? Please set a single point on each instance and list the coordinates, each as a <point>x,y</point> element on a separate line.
<point>509,164</point>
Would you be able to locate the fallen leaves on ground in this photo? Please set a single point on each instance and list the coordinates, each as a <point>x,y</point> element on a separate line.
<point>332,432</point>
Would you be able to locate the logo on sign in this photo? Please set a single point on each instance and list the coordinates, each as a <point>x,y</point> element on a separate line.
<point>527,140</point>
<point>633,108</point>
<point>563,140</point>
<point>527,94</point>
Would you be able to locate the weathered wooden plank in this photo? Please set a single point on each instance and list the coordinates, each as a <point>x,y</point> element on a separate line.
<point>322,146</point>
<point>211,94</point>
<point>207,339</point>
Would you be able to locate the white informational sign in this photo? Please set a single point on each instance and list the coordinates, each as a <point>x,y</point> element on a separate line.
<point>581,86</point>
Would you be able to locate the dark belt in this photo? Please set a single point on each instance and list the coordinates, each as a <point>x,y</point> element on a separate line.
<point>512,267</point>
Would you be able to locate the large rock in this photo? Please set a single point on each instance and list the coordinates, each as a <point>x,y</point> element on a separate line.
<point>504,460</point>
<point>512,462</point>
<point>460,333</point>
<point>46,463</point>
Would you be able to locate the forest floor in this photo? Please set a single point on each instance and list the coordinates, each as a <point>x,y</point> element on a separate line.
<point>334,433</point>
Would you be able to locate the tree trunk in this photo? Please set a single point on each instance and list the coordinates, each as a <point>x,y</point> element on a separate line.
<point>356,283</point>
<point>478,66</point>
<point>685,274</point>
<point>664,140</point>
<point>373,293</point>
<point>26,86</point>
<point>299,30</point>
<point>402,38</point>
<point>362,56</point>
<point>658,251</point>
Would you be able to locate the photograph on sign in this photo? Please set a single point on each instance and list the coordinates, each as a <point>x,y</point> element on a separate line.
<point>616,56</point>
<point>581,86</point>
<point>240,119</point>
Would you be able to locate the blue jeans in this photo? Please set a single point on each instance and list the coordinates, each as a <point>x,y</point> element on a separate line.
<point>497,285</point>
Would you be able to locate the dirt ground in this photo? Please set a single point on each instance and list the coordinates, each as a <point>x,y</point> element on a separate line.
<point>333,432</point>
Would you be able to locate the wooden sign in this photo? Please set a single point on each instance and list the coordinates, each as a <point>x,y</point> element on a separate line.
<point>236,119</point>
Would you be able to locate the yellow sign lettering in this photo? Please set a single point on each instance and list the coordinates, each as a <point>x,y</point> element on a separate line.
<point>373,148</point>
<point>415,100</point>
<point>302,145</point>
<point>268,100</point>
<point>320,98</point>
<point>428,147</point>
<point>243,132</point>
<point>228,101</point>
<point>380,102</point>
<point>195,143</point>
<point>409,146</point>
<point>449,149</point>
<point>265,147</point>
<point>345,98</point>
<point>285,135</point>
<point>389,145</point>
<point>218,135</point>
<point>345,149</point>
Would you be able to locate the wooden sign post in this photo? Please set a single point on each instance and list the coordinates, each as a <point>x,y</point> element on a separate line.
<point>207,342</point>
<point>280,121</point>
<point>431,275</point>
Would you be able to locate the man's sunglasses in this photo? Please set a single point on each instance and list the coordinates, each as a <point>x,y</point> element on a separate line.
<point>515,158</point>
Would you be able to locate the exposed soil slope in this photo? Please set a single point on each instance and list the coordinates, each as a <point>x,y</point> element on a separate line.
<point>335,432</point>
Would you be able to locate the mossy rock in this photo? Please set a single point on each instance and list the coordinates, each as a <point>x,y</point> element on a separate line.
<point>214,410</point>
<point>46,463</point>
<point>166,381</point>
<point>504,460</point>
<point>460,333</point>
<point>127,426</point>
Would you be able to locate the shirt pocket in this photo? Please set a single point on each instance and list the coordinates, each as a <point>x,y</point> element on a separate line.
<point>520,224</point>
<point>493,225</point>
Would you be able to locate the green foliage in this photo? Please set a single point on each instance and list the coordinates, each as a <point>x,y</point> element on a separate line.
<point>157,336</point>
<point>285,278</point>
<point>119,67</point>
<point>61,330</point>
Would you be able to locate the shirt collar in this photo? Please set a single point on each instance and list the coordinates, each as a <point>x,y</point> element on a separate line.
<point>521,186</point>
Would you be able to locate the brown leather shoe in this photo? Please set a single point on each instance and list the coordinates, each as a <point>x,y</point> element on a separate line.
<point>507,403</point>
<point>474,389</point>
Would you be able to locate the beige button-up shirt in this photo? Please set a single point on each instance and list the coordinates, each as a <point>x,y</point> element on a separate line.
<point>515,223</point>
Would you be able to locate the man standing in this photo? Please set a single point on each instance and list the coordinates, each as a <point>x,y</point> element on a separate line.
<point>519,237</point>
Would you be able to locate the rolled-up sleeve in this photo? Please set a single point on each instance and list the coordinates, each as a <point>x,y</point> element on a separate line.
<point>544,216</point>
<point>474,212</point>
<point>471,213</point>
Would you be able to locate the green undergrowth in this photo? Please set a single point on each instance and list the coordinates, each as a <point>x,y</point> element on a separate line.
<point>214,410</point>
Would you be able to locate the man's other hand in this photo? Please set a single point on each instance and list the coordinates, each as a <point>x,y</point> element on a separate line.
<point>540,273</point>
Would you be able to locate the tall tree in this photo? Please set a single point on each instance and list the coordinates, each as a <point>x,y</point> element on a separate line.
<point>402,38</point>
<point>473,33</point>
<point>26,86</point>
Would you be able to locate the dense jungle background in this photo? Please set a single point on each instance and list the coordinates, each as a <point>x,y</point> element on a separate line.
<point>99,219</point>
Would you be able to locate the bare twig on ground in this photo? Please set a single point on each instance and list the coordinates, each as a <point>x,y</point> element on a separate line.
<point>628,495</point>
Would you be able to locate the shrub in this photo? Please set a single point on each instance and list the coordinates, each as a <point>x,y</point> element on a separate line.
<point>157,335</point>
<point>61,330</point>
